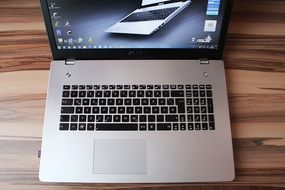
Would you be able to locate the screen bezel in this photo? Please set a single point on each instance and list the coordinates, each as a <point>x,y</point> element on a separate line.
<point>136,53</point>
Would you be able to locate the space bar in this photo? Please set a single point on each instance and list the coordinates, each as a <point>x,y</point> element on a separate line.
<point>116,127</point>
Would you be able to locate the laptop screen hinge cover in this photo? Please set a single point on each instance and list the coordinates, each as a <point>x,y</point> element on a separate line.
<point>69,62</point>
<point>204,61</point>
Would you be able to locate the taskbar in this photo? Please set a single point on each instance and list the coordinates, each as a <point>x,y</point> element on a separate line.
<point>128,47</point>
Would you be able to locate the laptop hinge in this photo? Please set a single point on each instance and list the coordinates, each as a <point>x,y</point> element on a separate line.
<point>204,61</point>
<point>69,62</point>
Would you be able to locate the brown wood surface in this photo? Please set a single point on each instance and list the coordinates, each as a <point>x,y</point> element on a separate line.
<point>255,63</point>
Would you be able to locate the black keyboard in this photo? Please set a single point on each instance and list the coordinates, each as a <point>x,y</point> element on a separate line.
<point>159,14</point>
<point>137,107</point>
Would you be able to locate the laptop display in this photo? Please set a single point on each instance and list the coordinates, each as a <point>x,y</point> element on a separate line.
<point>82,25</point>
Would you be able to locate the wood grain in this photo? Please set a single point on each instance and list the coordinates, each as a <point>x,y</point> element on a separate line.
<point>255,70</point>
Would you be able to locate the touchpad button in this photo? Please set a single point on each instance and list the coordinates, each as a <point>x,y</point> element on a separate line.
<point>120,156</point>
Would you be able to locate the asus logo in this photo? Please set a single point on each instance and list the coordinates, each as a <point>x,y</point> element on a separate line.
<point>135,52</point>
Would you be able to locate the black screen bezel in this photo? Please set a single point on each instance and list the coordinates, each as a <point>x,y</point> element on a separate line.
<point>149,53</point>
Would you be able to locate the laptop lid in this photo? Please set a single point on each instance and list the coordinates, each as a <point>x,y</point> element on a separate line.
<point>76,30</point>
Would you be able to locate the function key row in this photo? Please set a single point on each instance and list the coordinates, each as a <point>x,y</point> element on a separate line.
<point>134,87</point>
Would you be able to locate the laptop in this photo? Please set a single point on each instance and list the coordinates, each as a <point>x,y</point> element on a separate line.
<point>150,17</point>
<point>135,108</point>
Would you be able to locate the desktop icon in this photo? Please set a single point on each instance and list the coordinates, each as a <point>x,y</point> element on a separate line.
<point>52,5</point>
<point>90,40</point>
<point>69,32</point>
<point>80,40</point>
<point>60,40</point>
<point>58,32</point>
<point>56,24</point>
<point>54,15</point>
<point>67,24</point>
<point>70,40</point>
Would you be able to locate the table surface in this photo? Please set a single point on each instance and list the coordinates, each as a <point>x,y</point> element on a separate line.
<point>255,71</point>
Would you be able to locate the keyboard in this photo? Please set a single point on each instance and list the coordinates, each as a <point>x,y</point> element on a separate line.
<point>159,14</point>
<point>137,108</point>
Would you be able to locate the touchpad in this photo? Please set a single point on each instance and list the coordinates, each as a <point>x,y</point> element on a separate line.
<point>120,156</point>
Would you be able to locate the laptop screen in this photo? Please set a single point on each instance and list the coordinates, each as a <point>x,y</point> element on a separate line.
<point>109,24</point>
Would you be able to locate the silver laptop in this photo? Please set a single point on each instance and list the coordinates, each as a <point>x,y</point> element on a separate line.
<point>134,108</point>
<point>150,17</point>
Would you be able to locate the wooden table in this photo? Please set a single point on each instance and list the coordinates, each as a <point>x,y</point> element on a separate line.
<point>255,63</point>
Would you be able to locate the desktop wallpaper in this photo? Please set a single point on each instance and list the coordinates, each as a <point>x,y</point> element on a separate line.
<point>79,24</point>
